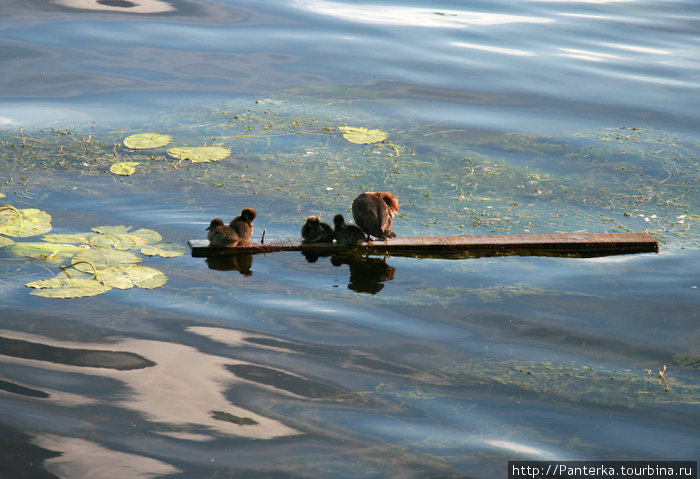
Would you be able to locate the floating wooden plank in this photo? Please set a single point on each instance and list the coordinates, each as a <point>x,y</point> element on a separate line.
<point>575,244</point>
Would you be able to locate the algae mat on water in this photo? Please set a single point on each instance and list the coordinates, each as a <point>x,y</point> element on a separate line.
<point>449,181</point>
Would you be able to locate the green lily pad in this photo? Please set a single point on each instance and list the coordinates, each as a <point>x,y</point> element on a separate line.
<point>125,168</point>
<point>201,154</point>
<point>68,287</point>
<point>128,276</point>
<point>361,135</point>
<point>119,241</point>
<point>33,222</point>
<point>5,242</point>
<point>165,249</point>
<point>149,235</point>
<point>102,258</point>
<point>142,141</point>
<point>81,238</point>
<point>55,253</point>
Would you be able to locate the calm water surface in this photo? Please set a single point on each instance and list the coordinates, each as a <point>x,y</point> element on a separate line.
<point>540,116</point>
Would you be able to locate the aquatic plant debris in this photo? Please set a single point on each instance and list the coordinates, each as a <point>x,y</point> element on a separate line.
<point>200,154</point>
<point>144,141</point>
<point>124,168</point>
<point>361,135</point>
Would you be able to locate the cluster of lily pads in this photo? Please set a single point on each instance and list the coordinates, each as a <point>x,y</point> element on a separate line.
<point>91,263</point>
<point>143,141</point>
<point>206,154</point>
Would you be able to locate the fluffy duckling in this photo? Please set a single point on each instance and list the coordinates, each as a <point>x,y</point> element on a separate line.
<point>374,212</point>
<point>237,233</point>
<point>243,226</point>
<point>346,234</point>
<point>314,231</point>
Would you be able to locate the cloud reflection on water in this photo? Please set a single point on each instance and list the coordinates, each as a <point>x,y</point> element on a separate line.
<point>411,16</point>
<point>183,389</point>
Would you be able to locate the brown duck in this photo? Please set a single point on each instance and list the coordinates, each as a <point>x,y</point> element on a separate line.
<point>374,213</point>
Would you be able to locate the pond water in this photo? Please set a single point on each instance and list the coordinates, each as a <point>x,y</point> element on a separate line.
<point>536,117</point>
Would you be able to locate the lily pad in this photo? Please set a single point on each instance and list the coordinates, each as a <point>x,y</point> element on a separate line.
<point>142,141</point>
<point>52,252</point>
<point>81,238</point>
<point>149,235</point>
<point>128,276</point>
<point>361,135</point>
<point>165,249</point>
<point>68,287</point>
<point>125,168</point>
<point>201,154</point>
<point>32,222</point>
<point>102,258</point>
<point>5,242</point>
<point>120,241</point>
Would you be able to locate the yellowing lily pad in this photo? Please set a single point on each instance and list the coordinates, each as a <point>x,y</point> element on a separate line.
<point>52,252</point>
<point>128,276</point>
<point>201,154</point>
<point>5,242</point>
<point>165,249</point>
<point>120,241</point>
<point>68,287</point>
<point>125,168</point>
<point>142,141</point>
<point>149,235</point>
<point>31,223</point>
<point>80,238</point>
<point>361,135</point>
<point>102,258</point>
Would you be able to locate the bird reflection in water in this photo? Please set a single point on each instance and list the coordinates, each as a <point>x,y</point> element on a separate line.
<point>243,263</point>
<point>367,275</point>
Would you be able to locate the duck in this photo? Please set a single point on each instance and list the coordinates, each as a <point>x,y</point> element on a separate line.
<point>374,213</point>
<point>346,234</point>
<point>243,226</point>
<point>237,233</point>
<point>315,231</point>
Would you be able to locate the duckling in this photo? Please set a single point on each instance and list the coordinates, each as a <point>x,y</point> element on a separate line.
<point>346,234</point>
<point>220,234</point>
<point>314,231</point>
<point>237,233</point>
<point>243,226</point>
<point>374,212</point>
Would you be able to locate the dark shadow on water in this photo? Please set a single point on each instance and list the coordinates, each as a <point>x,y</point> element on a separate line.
<point>21,458</point>
<point>22,390</point>
<point>73,357</point>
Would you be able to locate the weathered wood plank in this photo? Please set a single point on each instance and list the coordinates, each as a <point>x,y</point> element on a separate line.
<point>582,244</point>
